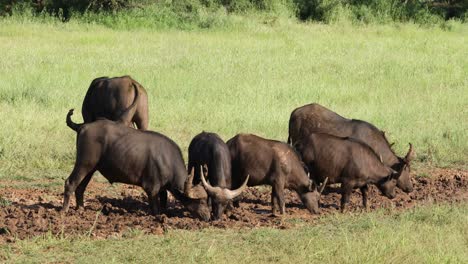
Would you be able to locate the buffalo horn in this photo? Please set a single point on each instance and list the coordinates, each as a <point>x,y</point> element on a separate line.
<point>190,191</point>
<point>188,184</point>
<point>410,154</point>
<point>324,184</point>
<point>223,193</point>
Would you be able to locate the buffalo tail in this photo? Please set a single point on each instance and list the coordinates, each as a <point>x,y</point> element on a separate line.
<point>72,124</point>
<point>128,114</point>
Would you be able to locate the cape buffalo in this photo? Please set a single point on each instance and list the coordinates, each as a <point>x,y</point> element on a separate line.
<point>274,163</point>
<point>110,97</point>
<point>314,118</point>
<point>143,158</point>
<point>348,161</point>
<point>210,150</point>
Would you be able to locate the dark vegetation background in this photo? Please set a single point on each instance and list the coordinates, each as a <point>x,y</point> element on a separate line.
<point>212,13</point>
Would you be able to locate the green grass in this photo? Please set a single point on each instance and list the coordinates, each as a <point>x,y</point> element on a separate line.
<point>432,234</point>
<point>411,82</point>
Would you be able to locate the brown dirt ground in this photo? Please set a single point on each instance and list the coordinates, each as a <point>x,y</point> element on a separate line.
<point>114,211</point>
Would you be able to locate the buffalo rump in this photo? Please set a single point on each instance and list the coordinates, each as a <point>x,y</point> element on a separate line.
<point>110,97</point>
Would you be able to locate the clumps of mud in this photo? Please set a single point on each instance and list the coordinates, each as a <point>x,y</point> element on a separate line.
<point>121,210</point>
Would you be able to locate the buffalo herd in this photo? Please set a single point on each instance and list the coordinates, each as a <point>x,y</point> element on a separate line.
<point>323,148</point>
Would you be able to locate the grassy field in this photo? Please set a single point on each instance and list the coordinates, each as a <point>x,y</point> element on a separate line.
<point>433,234</point>
<point>410,81</point>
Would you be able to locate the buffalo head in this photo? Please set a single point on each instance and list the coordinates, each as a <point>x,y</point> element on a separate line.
<point>222,195</point>
<point>388,184</point>
<point>404,181</point>
<point>196,203</point>
<point>311,198</point>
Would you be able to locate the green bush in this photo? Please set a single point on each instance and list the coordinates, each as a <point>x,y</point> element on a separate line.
<point>242,6</point>
<point>208,13</point>
<point>180,14</point>
<point>381,11</point>
<point>63,8</point>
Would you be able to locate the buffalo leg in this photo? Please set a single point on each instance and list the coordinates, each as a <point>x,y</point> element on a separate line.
<point>153,197</point>
<point>281,202</point>
<point>79,192</point>
<point>237,176</point>
<point>236,201</point>
<point>279,195</point>
<point>274,200</point>
<point>364,190</point>
<point>214,207</point>
<point>154,204</point>
<point>163,200</point>
<point>72,182</point>
<point>345,195</point>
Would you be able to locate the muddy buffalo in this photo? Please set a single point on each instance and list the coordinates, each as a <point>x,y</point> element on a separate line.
<point>314,118</point>
<point>210,150</point>
<point>273,163</point>
<point>348,161</point>
<point>143,158</point>
<point>110,97</point>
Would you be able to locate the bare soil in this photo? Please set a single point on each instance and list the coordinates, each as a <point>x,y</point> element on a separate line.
<point>118,210</point>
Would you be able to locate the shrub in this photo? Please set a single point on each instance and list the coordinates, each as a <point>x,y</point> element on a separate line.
<point>204,13</point>
<point>381,11</point>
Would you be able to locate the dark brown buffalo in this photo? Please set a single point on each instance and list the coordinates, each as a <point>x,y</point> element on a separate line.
<point>210,150</point>
<point>348,161</point>
<point>143,158</point>
<point>110,97</point>
<point>273,163</point>
<point>314,118</point>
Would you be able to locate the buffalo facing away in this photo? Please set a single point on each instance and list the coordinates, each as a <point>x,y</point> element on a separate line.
<point>210,150</point>
<point>273,163</point>
<point>143,158</point>
<point>347,161</point>
<point>314,118</point>
<point>110,97</point>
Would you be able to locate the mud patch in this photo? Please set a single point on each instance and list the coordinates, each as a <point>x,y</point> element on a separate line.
<point>121,210</point>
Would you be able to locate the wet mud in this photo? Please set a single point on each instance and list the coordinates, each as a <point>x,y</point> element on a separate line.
<point>118,210</point>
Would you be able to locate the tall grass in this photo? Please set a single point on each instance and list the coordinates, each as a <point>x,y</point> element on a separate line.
<point>433,234</point>
<point>409,81</point>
